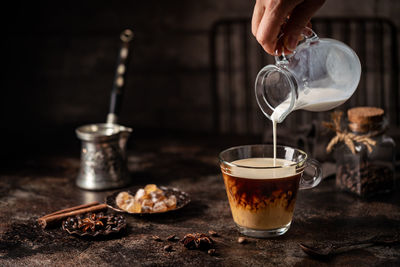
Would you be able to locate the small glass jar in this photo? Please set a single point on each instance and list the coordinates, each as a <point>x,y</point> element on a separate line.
<point>368,171</point>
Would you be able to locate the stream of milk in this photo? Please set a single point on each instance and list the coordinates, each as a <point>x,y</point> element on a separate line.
<point>315,99</point>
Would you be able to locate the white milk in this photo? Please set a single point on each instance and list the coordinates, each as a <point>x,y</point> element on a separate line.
<point>274,139</point>
<point>315,99</point>
<point>272,173</point>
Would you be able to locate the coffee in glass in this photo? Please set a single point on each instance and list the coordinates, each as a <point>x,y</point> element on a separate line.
<point>262,191</point>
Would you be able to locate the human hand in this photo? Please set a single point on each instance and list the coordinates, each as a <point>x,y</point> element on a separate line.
<point>273,19</point>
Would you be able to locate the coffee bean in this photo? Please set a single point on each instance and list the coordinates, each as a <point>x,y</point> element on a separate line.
<point>156,238</point>
<point>211,252</point>
<point>168,248</point>
<point>213,233</point>
<point>365,179</point>
<point>242,240</point>
<point>172,238</point>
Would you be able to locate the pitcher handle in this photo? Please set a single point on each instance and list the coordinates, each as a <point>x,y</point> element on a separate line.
<point>307,181</point>
<point>308,36</point>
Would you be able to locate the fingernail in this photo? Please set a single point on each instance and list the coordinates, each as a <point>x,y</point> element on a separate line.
<point>291,42</point>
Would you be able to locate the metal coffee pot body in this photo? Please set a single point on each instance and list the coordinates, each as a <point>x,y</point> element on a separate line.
<point>103,156</point>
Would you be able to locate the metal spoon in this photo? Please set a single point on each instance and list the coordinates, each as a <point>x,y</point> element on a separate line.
<point>327,250</point>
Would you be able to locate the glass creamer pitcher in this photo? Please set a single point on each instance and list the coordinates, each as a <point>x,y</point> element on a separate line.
<point>319,75</point>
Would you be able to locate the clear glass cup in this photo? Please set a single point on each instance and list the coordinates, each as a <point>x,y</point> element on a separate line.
<point>262,196</point>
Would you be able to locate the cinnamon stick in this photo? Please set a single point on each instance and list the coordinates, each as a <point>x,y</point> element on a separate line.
<point>72,208</point>
<point>56,216</point>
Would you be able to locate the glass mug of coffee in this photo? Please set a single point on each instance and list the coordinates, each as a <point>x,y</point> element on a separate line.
<point>262,190</point>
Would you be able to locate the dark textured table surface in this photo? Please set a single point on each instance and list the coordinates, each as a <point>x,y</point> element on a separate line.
<point>39,185</point>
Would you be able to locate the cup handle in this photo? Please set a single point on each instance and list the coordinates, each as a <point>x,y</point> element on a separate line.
<point>307,181</point>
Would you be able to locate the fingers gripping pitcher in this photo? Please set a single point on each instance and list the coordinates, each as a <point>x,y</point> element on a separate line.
<point>319,75</point>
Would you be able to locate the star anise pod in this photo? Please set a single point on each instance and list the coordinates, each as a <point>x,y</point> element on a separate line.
<point>197,241</point>
<point>91,222</point>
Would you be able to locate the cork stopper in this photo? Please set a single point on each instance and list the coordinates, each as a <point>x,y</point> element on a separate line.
<point>364,119</point>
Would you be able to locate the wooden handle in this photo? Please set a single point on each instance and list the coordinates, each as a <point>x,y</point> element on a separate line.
<point>119,78</point>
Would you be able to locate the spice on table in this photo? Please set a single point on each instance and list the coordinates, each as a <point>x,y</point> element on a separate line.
<point>93,224</point>
<point>58,216</point>
<point>197,241</point>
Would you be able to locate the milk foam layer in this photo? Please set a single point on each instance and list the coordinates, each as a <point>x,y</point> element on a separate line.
<point>238,170</point>
<point>315,99</point>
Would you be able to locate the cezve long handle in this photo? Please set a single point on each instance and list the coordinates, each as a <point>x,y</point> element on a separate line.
<point>119,78</point>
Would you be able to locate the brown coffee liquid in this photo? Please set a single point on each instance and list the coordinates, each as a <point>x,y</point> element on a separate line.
<point>262,203</point>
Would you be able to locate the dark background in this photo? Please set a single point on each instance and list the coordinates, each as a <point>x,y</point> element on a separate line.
<point>59,59</point>
<point>62,56</point>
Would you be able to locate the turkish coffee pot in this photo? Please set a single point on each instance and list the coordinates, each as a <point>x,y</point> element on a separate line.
<point>103,152</point>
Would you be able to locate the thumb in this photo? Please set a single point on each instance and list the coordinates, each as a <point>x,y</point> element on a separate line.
<point>299,18</point>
